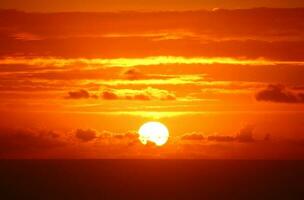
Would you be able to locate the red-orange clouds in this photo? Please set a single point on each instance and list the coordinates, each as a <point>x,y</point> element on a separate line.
<point>280,94</point>
<point>89,143</point>
<point>96,77</point>
<point>144,94</point>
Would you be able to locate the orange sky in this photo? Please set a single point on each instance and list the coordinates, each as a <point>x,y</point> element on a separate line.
<point>114,5</point>
<point>227,83</point>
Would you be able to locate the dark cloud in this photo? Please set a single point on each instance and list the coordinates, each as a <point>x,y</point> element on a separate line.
<point>86,135</point>
<point>109,95</point>
<point>43,143</point>
<point>280,94</point>
<point>129,138</point>
<point>37,143</point>
<point>221,138</point>
<point>244,135</point>
<point>28,140</point>
<point>212,138</point>
<point>133,74</point>
<point>193,137</point>
<point>80,94</point>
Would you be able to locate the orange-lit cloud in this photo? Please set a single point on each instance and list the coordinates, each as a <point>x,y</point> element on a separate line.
<point>26,141</point>
<point>244,135</point>
<point>133,62</point>
<point>85,135</point>
<point>145,94</point>
<point>193,137</point>
<point>80,94</point>
<point>280,94</point>
<point>35,143</point>
<point>221,138</point>
<point>79,85</point>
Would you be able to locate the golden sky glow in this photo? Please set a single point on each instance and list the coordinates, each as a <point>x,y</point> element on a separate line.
<point>226,83</point>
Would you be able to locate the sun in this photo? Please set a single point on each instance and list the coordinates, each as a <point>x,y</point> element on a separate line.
<point>155,132</point>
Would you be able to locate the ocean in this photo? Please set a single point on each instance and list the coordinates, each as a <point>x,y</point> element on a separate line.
<point>151,179</point>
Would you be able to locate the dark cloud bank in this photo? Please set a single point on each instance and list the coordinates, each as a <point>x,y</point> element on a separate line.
<point>280,94</point>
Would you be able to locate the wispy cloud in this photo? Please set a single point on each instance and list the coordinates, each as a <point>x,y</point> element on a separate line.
<point>146,94</point>
<point>147,61</point>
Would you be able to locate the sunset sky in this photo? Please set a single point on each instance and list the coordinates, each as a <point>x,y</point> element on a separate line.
<point>78,80</point>
<point>143,5</point>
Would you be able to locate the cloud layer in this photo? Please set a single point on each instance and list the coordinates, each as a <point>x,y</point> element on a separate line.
<point>90,143</point>
<point>280,94</point>
<point>84,73</point>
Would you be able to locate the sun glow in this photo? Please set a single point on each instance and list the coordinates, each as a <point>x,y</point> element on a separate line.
<point>155,132</point>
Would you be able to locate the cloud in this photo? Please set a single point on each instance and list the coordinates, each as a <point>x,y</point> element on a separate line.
<point>89,143</point>
<point>79,143</point>
<point>105,137</point>
<point>28,140</point>
<point>80,94</point>
<point>136,74</point>
<point>176,80</point>
<point>142,61</point>
<point>141,97</point>
<point>126,136</point>
<point>86,135</point>
<point>129,138</point>
<point>246,134</point>
<point>134,33</point>
<point>193,137</point>
<point>221,138</point>
<point>109,95</point>
<point>146,94</point>
<point>143,23</point>
<point>279,94</point>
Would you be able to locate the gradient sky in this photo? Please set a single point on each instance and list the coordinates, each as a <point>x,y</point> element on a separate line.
<point>227,83</point>
<point>114,5</point>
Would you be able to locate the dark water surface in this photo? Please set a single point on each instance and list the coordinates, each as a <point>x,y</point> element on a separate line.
<point>151,179</point>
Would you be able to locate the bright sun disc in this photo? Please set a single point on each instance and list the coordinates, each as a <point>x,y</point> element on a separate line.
<point>155,132</point>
